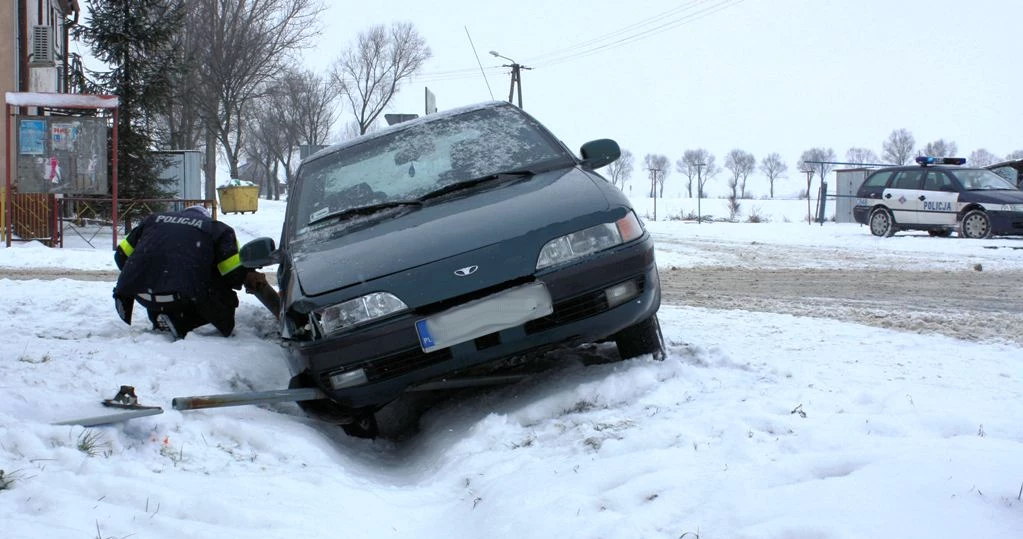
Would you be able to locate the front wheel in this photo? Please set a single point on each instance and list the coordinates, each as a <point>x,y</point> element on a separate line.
<point>975,225</point>
<point>642,338</point>
<point>882,223</point>
<point>364,426</point>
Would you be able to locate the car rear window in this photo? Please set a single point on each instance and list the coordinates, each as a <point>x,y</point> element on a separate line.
<point>878,179</point>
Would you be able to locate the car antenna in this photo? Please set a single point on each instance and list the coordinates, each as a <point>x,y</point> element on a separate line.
<point>480,63</point>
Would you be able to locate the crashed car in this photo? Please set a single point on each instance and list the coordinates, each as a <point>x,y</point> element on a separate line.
<point>439,252</point>
<point>1011,170</point>
<point>939,196</point>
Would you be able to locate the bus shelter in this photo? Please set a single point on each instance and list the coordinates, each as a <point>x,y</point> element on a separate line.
<point>58,148</point>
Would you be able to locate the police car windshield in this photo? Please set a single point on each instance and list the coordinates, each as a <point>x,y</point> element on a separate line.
<point>979,179</point>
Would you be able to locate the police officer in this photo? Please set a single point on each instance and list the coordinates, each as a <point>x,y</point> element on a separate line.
<point>184,268</point>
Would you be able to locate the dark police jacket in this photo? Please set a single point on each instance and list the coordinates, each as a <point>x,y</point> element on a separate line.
<point>184,253</point>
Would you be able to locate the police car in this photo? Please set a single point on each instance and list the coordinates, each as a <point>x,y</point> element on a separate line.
<point>939,196</point>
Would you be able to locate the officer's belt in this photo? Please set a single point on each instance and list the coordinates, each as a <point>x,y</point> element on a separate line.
<point>157,298</point>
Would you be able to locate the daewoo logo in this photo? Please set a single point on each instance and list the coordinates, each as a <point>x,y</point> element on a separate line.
<point>466,271</point>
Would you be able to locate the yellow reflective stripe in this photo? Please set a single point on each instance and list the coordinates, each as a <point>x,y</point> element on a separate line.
<point>126,247</point>
<point>229,264</point>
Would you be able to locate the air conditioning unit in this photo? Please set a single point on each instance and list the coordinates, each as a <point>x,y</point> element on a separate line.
<point>42,47</point>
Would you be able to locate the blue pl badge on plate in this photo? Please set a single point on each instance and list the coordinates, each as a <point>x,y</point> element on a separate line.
<point>425,339</point>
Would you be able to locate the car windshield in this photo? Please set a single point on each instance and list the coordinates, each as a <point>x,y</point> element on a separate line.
<point>406,163</point>
<point>979,179</point>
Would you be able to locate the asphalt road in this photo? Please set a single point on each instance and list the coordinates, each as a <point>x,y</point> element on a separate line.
<point>967,304</point>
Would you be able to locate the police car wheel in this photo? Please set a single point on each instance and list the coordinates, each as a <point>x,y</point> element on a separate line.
<point>882,223</point>
<point>975,225</point>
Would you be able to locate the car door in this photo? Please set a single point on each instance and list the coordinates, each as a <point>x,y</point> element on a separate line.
<point>903,195</point>
<point>938,200</point>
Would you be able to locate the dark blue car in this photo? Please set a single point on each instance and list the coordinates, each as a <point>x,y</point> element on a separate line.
<point>441,252</point>
<point>939,196</point>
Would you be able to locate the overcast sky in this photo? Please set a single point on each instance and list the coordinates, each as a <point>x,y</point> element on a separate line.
<point>761,75</point>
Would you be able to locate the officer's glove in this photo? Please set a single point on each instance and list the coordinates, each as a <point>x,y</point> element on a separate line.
<point>255,280</point>
<point>124,306</point>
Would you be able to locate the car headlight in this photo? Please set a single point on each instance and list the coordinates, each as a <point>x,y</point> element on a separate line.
<point>1012,207</point>
<point>357,311</point>
<point>588,241</point>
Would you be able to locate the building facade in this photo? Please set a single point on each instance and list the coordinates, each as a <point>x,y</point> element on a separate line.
<point>34,50</point>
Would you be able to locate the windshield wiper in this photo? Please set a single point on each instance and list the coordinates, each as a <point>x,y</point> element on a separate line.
<point>363,210</point>
<point>467,184</point>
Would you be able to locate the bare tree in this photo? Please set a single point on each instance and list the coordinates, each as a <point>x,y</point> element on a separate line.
<point>741,164</point>
<point>297,108</point>
<point>235,49</point>
<point>818,160</point>
<point>940,148</point>
<point>815,160</point>
<point>982,158</point>
<point>1018,154</point>
<point>773,167</point>
<point>898,147</point>
<point>693,165</point>
<point>620,170</point>
<point>371,72</point>
<point>862,156</point>
<point>658,165</point>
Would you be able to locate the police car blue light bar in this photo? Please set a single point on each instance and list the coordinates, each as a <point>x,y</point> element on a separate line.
<point>931,160</point>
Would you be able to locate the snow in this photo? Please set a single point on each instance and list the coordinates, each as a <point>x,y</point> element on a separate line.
<point>757,425</point>
<point>48,99</point>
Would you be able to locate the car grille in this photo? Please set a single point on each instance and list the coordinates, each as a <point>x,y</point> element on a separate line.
<point>576,308</point>
<point>396,364</point>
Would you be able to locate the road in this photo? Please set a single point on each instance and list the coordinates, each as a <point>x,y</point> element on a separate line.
<point>966,304</point>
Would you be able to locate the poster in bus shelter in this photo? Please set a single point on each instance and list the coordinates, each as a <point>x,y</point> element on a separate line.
<point>62,154</point>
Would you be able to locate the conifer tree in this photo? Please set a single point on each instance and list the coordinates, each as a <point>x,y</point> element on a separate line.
<point>134,39</point>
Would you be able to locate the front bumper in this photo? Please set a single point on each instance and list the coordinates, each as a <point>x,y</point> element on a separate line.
<point>861,214</point>
<point>390,355</point>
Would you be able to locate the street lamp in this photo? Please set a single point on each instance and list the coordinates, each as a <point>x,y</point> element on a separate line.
<point>515,76</point>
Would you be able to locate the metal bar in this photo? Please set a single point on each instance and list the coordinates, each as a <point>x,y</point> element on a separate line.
<point>114,417</point>
<point>242,399</point>
<point>8,227</point>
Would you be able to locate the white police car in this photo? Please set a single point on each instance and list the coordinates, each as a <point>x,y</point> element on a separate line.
<point>939,198</point>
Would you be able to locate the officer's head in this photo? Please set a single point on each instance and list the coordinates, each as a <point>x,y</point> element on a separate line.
<point>199,208</point>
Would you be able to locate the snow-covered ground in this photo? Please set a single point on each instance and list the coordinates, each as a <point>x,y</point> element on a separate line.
<point>757,425</point>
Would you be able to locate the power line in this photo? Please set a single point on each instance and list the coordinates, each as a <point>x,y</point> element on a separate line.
<point>685,13</point>
<point>636,25</point>
<point>716,6</point>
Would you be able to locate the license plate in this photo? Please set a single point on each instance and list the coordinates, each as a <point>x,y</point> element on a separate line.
<point>484,316</point>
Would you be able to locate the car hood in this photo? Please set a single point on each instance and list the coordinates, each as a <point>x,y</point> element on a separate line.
<point>540,207</point>
<point>1006,196</point>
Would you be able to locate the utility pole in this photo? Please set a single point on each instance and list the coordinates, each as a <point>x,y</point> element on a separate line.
<point>516,77</point>
<point>699,191</point>
<point>809,180</point>
<point>653,187</point>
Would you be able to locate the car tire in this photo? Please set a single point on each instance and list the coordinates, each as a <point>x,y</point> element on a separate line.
<point>882,223</point>
<point>975,225</point>
<point>364,426</point>
<point>642,338</point>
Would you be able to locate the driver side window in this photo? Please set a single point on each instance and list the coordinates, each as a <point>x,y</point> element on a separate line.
<point>938,181</point>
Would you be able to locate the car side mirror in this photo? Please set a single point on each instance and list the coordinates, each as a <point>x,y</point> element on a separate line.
<point>599,153</point>
<point>258,253</point>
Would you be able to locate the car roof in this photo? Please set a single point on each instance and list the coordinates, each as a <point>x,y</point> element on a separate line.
<point>929,167</point>
<point>1014,163</point>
